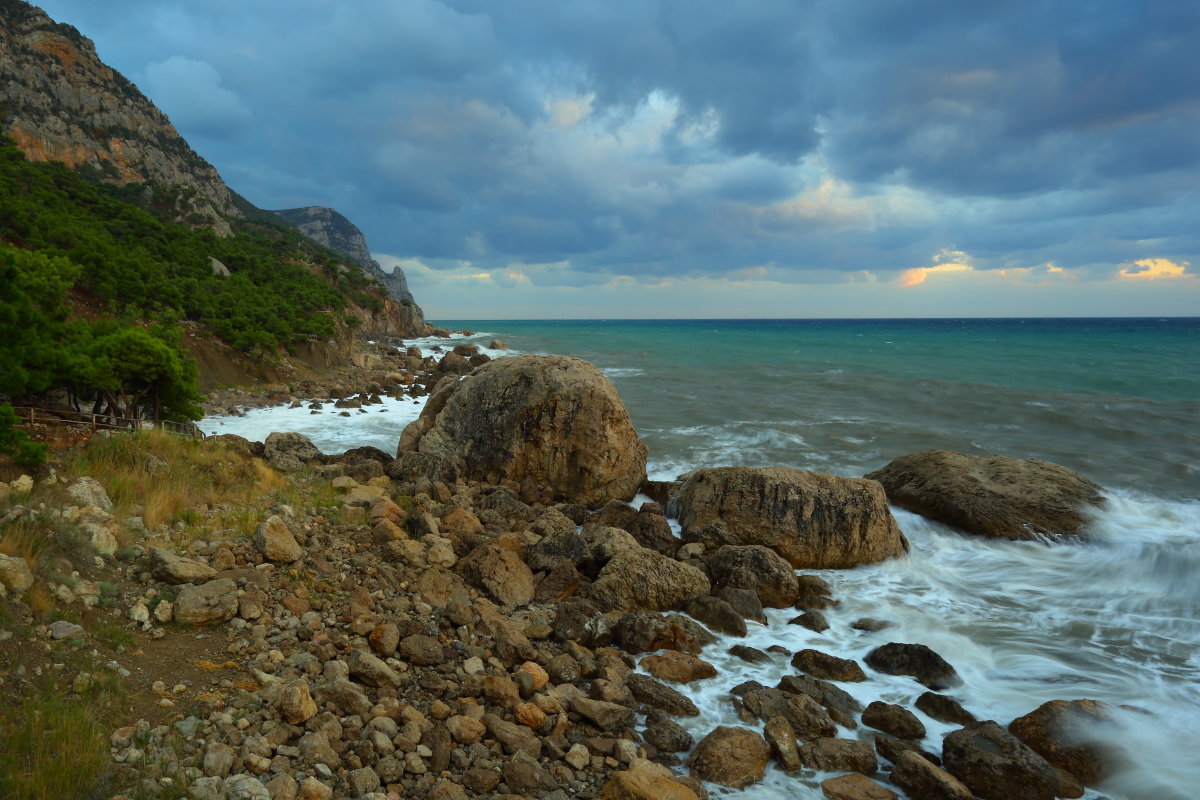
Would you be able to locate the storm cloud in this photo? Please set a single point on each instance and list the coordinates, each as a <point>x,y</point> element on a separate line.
<point>782,140</point>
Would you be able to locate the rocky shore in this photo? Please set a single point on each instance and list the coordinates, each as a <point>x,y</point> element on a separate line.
<point>485,614</point>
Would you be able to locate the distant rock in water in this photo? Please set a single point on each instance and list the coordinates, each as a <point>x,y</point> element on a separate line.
<point>552,424</point>
<point>1009,498</point>
<point>812,520</point>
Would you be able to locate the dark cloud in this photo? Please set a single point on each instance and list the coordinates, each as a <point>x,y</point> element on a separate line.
<point>693,137</point>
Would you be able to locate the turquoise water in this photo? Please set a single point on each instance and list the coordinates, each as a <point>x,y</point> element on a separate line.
<point>1118,399</point>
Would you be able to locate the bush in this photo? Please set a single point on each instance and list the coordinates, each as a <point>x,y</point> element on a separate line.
<point>16,443</point>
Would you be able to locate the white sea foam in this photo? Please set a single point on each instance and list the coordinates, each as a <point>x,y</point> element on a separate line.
<point>376,425</point>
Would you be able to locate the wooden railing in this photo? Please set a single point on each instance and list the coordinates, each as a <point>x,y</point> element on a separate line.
<point>63,416</point>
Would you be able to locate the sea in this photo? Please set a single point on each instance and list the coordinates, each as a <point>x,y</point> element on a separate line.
<point>1115,618</point>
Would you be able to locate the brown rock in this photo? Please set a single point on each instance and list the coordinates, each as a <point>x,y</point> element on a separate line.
<point>276,542</point>
<point>782,739</point>
<point>840,704</point>
<point>529,715</point>
<point>645,780</point>
<point>459,521</point>
<point>657,695</point>
<point>296,704</point>
<point>733,757</point>
<point>917,660</point>
<point>645,632</point>
<point>925,781</point>
<point>855,787</point>
<point>1009,498</point>
<point>606,716</point>
<point>809,518</point>
<point>384,639</point>
<point>806,716</point>
<point>839,755</point>
<point>758,569</point>
<point>501,691</point>
<point>945,709</point>
<point>1071,735</point>
<point>175,569</point>
<point>894,719</point>
<point>652,530</point>
<point>823,665</point>
<point>995,765</point>
<point>718,615</point>
<point>678,667</point>
<point>552,424</point>
<point>499,571</point>
<point>643,580</point>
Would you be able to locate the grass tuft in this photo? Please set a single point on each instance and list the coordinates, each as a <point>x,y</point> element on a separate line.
<point>50,748</point>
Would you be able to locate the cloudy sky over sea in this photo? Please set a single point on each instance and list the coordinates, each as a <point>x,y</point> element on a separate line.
<point>687,158</point>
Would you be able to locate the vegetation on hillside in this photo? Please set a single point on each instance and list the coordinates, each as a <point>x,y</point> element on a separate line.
<point>65,239</point>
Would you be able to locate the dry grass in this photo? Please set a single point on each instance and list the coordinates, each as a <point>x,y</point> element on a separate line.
<point>167,475</point>
<point>50,748</point>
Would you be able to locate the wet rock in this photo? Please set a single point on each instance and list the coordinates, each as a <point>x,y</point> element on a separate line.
<point>811,519</point>
<point>670,737</point>
<point>923,780</point>
<point>745,602</point>
<point>1009,498</point>
<point>657,695</point>
<point>678,667</point>
<point>806,716</point>
<point>945,709</point>
<point>643,580</point>
<point>751,654</point>
<point>782,740</point>
<point>728,756</point>
<point>840,704</point>
<point>553,424</point>
<point>917,660</point>
<point>813,620</point>
<point>208,604</point>
<point>894,719</point>
<point>823,665</point>
<point>644,632</point>
<point>1071,735</point>
<point>830,754</point>
<point>891,748</point>
<point>500,572</point>
<point>718,615</point>
<point>995,765</point>
<point>870,624</point>
<point>276,542</point>
<point>759,569</point>
<point>175,569</point>
<point>645,780</point>
<point>855,787</point>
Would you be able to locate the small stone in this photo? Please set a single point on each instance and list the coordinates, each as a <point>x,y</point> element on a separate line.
<point>578,756</point>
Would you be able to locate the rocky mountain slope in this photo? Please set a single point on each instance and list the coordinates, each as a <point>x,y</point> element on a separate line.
<point>60,102</point>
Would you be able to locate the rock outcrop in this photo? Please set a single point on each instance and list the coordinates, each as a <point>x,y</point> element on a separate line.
<point>1070,734</point>
<point>554,425</point>
<point>1008,498</point>
<point>812,519</point>
<point>60,102</point>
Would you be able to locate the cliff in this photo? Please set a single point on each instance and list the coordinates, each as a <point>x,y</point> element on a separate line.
<point>61,103</point>
<point>328,227</point>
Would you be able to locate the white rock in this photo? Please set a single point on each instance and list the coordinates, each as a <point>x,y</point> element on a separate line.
<point>15,574</point>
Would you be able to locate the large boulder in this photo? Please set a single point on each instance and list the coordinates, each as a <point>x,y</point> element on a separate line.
<point>645,780</point>
<point>289,452</point>
<point>552,424</point>
<point>1009,498</point>
<point>733,757</point>
<point>813,520</point>
<point>995,765</point>
<point>208,604</point>
<point>1071,735</point>
<point>644,580</point>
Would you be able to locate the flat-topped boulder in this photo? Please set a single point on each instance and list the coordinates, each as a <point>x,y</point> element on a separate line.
<point>811,519</point>
<point>1008,498</point>
<point>554,425</point>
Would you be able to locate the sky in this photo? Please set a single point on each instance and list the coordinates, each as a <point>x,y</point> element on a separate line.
<point>697,158</point>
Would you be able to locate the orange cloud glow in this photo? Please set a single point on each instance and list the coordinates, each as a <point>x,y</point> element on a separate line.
<point>1152,269</point>
<point>917,276</point>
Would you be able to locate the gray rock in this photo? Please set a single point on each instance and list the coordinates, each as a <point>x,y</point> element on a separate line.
<point>917,660</point>
<point>276,542</point>
<point>894,719</point>
<point>175,569</point>
<point>65,630</point>
<point>88,493</point>
<point>995,765</point>
<point>289,452</point>
<point>209,604</point>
